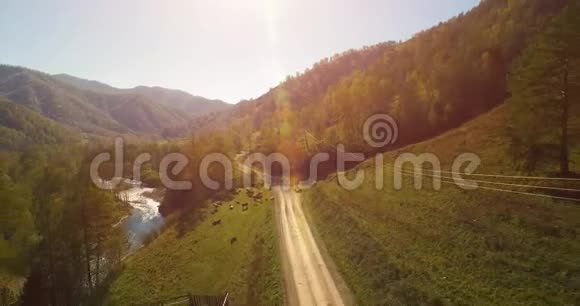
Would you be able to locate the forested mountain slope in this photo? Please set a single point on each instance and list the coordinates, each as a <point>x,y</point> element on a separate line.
<point>506,234</point>
<point>173,99</point>
<point>301,89</point>
<point>96,108</point>
<point>435,81</point>
<point>21,127</point>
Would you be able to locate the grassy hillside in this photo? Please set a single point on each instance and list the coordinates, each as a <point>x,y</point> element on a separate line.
<point>451,246</point>
<point>199,258</point>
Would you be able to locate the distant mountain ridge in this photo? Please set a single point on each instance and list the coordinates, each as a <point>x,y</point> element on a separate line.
<point>91,107</point>
<point>172,98</point>
<point>84,83</point>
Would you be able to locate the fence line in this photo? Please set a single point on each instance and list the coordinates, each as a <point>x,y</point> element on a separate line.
<point>197,300</point>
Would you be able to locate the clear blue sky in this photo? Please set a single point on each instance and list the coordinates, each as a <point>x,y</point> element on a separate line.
<point>226,49</point>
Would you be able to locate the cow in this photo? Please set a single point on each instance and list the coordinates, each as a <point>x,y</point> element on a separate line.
<point>233,240</point>
<point>216,222</point>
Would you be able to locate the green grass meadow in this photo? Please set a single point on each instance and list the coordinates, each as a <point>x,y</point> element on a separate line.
<point>203,260</point>
<point>450,247</point>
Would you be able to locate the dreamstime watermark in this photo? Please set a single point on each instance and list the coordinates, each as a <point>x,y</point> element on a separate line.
<point>379,131</point>
<point>177,161</point>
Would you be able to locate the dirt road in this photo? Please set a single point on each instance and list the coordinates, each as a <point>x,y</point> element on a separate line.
<point>307,277</point>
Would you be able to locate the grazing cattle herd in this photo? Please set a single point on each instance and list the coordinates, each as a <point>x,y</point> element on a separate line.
<point>255,195</point>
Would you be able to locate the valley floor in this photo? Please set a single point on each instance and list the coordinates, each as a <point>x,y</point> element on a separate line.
<point>238,256</point>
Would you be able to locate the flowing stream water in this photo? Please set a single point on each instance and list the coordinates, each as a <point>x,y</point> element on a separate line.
<point>144,218</point>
